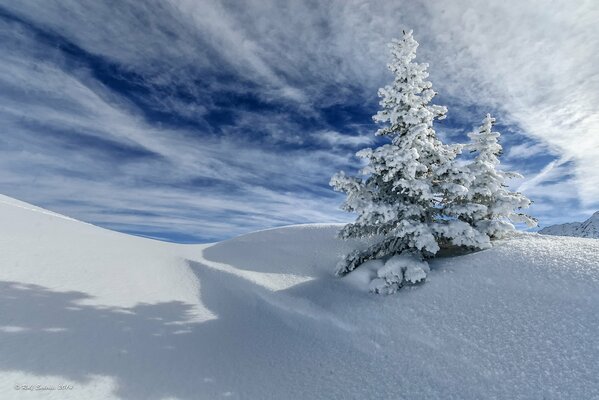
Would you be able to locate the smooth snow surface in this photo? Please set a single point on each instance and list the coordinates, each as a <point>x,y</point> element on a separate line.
<point>262,317</point>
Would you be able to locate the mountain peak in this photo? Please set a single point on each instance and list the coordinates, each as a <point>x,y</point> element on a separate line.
<point>586,229</point>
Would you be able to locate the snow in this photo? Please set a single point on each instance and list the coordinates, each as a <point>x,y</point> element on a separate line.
<point>413,193</point>
<point>262,316</point>
<point>399,270</point>
<point>42,248</point>
<point>586,229</point>
<point>488,202</point>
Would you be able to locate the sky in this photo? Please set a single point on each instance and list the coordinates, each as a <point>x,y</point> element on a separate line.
<point>196,121</point>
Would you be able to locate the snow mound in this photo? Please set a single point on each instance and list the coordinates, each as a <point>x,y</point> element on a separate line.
<point>586,229</point>
<point>40,247</point>
<point>399,270</point>
<point>261,316</point>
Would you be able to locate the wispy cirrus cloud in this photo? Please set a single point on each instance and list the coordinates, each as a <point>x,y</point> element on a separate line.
<point>193,119</point>
<point>74,145</point>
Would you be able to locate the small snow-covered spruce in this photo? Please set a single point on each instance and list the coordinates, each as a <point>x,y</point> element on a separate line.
<point>407,183</point>
<point>489,205</point>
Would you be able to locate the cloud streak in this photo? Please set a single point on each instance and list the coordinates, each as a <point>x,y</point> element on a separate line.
<point>203,120</point>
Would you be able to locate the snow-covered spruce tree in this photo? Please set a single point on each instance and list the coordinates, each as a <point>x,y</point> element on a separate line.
<point>406,183</point>
<point>489,205</point>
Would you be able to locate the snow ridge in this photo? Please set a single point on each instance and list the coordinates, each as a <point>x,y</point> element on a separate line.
<point>261,316</point>
<point>586,229</point>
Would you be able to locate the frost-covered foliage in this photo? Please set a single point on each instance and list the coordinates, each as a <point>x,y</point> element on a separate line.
<point>408,182</point>
<point>399,270</point>
<point>414,196</point>
<point>489,205</point>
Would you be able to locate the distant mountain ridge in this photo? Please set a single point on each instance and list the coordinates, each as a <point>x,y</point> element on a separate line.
<point>586,229</point>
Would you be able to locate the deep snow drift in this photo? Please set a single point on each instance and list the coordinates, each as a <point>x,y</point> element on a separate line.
<point>262,317</point>
<point>586,229</point>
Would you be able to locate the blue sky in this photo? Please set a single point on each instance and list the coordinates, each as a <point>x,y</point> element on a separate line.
<point>196,121</point>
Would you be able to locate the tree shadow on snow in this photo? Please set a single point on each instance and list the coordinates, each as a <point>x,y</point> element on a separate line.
<point>248,351</point>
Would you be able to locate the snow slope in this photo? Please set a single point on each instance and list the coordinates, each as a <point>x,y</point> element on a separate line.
<point>261,317</point>
<point>586,229</point>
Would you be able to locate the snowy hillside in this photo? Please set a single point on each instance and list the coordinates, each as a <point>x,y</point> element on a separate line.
<point>586,229</point>
<point>261,317</point>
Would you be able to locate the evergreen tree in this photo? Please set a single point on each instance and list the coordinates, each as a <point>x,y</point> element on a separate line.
<point>407,183</point>
<point>489,204</point>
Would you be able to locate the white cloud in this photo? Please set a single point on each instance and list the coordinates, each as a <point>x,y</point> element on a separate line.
<point>526,150</point>
<point>154,193</point>
<point>550,171</point>
<point>334,138</point>
<point>536,62</point>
